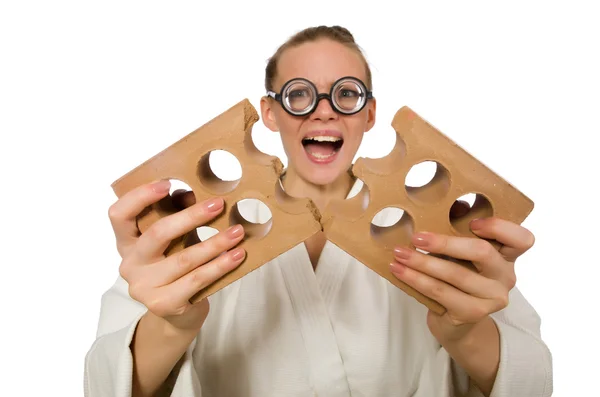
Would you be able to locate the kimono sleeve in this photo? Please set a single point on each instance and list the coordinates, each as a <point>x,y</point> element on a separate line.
<point>525,360</point>
<point>525,368</point>
<point>109,362</point>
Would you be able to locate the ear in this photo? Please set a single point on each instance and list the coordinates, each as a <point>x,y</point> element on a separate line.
<point>268,117</point>
<point>371,110</point>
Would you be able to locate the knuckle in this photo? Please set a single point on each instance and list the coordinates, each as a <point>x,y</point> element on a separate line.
<point>421,263</point>
<point>136,291</point>
<point>452,278</point>
<point>223,243</point>
<point>157,232</point>
<point>121,250</point>
<point>511,280</point>
<point>460,276</point>
<point>114,213</point>
<point>220,262</point>
<point>219,243</point>
<point>501,297</point>
<point>158,305</point>
<point>195,215</point>
<point>224,263</point>
<point>441,243</point>
<point>125,269</point>
<point>503,301</point>
<point>479,311</point>
<point>483,250</point>
<point>184,260</point>
<point>455,320</point>
<point>199,278</point>
<point>179,310</point>
<point>530,240</point>
<point>437,291</point>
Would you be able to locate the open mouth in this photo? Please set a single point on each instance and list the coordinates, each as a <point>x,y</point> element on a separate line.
<point>322,148</point>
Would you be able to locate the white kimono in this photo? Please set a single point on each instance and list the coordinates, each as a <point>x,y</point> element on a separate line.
<point>342,330</point>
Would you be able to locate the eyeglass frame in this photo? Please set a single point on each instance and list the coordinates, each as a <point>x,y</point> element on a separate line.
<point>279,98</point>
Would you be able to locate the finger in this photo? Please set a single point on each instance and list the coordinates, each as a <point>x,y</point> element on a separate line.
<point>183,198</point>
<point>178,265</point>
<point>462,307</point>
<point>452,273</point>
<point>481,253</point>
<point>184,288</point>
<point>459,208</point>
<point>515,238</point>
<point>123,212</point>
<point>154,241</point>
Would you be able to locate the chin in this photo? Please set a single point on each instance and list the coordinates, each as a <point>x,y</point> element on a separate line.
<point>321,177</point>
<point>322,173</point>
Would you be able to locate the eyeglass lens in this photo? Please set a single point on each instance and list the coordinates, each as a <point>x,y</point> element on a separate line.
<point>299,96</point>
<point>347,96</point>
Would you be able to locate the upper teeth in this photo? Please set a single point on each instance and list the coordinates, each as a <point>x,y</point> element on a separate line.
<point>324,138</point>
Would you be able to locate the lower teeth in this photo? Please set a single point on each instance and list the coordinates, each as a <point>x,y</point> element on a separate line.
<point>322,156</point>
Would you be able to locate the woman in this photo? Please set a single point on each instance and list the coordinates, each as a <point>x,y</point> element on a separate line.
<point>331,329</point>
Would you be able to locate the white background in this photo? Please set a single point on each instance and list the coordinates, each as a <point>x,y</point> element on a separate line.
<point>88,90</point>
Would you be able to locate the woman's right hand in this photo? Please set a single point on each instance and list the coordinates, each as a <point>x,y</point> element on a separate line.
<point>165,284</point>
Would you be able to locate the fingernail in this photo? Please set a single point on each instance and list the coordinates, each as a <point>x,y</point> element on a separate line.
<point>421,239</point>
<point>476,224</point>
<point>397,268</point>
<point>214,205</point>
<point>234,231</point>
<point>237,254</point>
<point>161,186</point>
<point>402,253</point>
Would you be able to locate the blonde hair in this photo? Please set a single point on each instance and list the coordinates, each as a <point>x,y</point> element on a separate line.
<point>335,33</point>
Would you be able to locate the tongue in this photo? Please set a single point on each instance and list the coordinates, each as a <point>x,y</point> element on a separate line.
<point>323,149</point>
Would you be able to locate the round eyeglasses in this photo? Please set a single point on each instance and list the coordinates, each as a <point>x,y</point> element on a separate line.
<point>299,96</point>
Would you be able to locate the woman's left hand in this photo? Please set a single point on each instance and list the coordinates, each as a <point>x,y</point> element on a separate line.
<point>468,296</point>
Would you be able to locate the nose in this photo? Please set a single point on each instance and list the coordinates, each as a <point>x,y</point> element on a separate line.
<point>324,111</point>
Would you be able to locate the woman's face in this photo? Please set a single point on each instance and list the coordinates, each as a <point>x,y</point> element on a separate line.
<point>319,161</point>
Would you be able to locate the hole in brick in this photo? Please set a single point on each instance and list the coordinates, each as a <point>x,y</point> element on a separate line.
<point>358,187</point>
<point>392,226</point>
<point>169,205</point>
<point>427,182</point>
<point>479,207</point>
<point>205,232</point>
<point>469,198</point>
<point>219,171</point>
<point>357,200</point>
<point>176,184</point>
<point>421,174</point>
<point>387,217</point>
<point>254,215</point>
<point>184,199</point>
<point>225,165</point>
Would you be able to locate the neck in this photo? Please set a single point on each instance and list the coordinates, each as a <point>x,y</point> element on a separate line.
<point>321,195</point>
